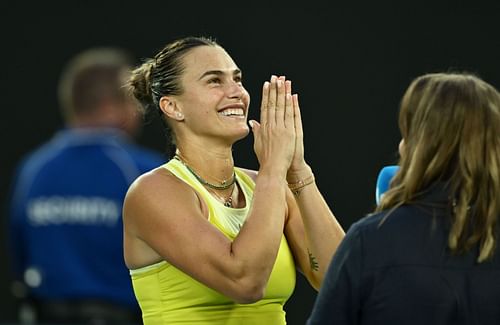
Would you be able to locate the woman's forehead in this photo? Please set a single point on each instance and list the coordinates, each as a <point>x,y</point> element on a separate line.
<point>208,58</point>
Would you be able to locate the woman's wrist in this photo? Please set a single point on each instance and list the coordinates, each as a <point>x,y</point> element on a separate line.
<point>299,179</point>
<point>298,174</point>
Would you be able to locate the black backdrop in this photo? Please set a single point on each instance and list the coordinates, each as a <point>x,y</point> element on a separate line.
<point>350,64</point>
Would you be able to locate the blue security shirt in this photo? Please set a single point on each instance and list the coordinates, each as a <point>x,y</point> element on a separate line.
<point>66,230</point>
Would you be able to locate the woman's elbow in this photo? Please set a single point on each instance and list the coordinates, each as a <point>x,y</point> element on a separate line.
<point>315,279</point>
<point>249,290</point>
<point>249,295</point>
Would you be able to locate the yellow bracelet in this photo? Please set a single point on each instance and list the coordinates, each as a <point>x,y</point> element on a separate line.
<point>297,187</point>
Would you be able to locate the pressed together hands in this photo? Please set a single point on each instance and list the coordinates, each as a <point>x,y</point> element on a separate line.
<point>279,147</point>
<point>278,138</point>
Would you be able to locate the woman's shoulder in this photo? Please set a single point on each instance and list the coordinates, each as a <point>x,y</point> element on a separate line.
<point>157,180</point>
<point>158,193</point>
<point>404,218</point>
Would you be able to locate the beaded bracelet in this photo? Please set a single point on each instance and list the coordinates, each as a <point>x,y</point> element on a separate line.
<point>297,187</point>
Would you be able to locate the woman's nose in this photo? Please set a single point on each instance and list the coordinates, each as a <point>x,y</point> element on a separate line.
<point>235,90</point>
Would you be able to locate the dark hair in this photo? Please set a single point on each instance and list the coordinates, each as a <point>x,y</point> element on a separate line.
<point>450,123</point>
<point>91,77</point>
<point>160,76</point>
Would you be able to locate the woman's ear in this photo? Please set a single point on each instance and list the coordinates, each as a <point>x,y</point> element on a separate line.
<point>169,107</point>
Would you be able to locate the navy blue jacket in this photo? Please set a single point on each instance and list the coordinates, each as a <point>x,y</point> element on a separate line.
<point>66,230</point>
<point>397,269</point>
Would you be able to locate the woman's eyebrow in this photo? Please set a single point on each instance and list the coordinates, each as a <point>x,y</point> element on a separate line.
<point>218,73</point>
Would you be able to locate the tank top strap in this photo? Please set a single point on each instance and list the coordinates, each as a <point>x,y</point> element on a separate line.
<point>228,220</point>
<point>246,183</point>
<point>180,171</point>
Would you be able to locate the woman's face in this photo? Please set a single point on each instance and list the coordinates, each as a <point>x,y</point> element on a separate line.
<point>214,101</point>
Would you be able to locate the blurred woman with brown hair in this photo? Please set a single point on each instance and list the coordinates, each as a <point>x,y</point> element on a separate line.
<point>428,255</point>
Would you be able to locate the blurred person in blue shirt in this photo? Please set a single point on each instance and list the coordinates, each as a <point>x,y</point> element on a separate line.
<point>65,230</point>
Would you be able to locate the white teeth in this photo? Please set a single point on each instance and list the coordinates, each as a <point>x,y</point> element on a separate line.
<point>232,111</point>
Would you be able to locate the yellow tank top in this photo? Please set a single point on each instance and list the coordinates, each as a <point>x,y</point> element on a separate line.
<point>166,295</point>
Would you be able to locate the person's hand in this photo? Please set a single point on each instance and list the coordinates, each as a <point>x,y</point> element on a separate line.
<point>274,136</point>
<point>299,169</point>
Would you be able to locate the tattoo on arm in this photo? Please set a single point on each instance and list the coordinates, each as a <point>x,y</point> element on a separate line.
<point>312,261</point>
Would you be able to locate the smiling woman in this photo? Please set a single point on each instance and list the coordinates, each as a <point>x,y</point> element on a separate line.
<point>207,242</point>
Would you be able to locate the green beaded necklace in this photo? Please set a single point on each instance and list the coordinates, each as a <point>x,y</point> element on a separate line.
<point>224,184</point>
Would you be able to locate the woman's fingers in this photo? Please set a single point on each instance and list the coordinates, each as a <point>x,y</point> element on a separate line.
<point>289,111</point>
<point>263,104</point>
<point>275,138</point>
<point>297,116</point>
<point>280,101</point>
<point>271,102</point>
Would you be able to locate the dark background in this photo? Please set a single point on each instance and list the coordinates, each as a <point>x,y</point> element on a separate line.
<point>349,62</point>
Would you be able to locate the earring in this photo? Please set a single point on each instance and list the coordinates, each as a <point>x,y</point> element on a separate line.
<point>179,115</point>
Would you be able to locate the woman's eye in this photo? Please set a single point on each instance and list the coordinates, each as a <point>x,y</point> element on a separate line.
<point>214,80</point>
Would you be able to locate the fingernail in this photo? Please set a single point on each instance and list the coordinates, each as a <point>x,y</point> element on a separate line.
<point>251,124</point>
